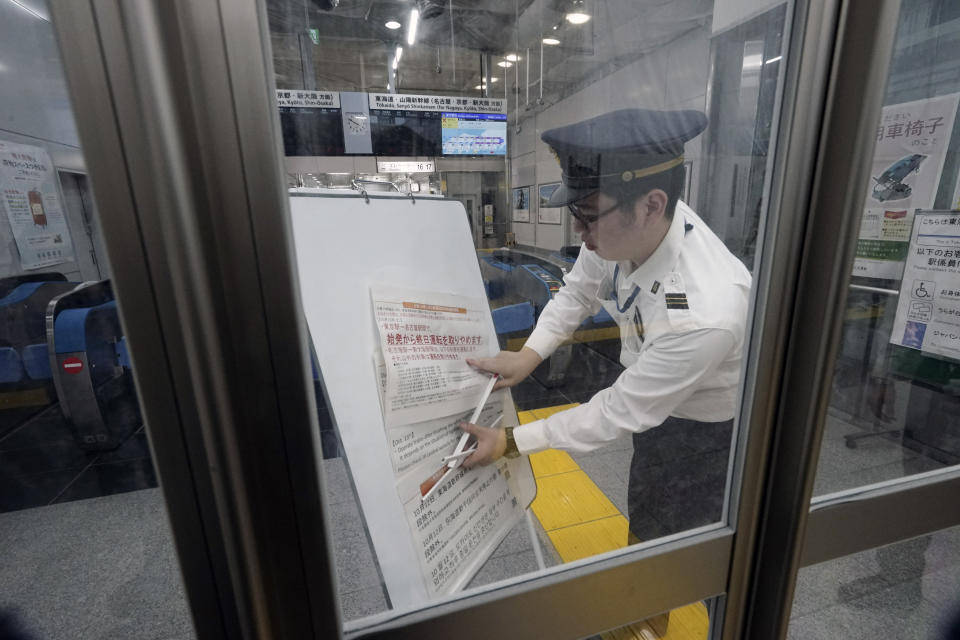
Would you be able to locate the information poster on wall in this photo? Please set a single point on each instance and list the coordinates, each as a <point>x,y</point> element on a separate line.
<point>546,214</point>
<point>32,204</point>
<point>521,204</point>
<point>912,142</point>
<point>928,311</point>
<point>455,516</point>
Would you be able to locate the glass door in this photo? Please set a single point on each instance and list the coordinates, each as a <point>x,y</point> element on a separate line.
<point>666,437</point>
<point>889,443</point>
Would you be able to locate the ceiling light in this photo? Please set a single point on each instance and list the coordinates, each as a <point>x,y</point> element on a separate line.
<point>512,57</point>
<point>479,87</point>
<point>494,79</point>
<point>772,60</point>
<point>752,62</point>
<point>578,13</point>
<point>31,11</point>
<point>396,57</point>
<point>504,64</point>
<point>549,40</point>
<point>412,26</point>
<point>392,24</point>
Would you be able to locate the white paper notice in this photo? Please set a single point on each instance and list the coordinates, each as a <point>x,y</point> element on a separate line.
<point>456,527</point>
<point>912,142</point>
<point>928,312</point>
<point>425,338</point>
<point>431,440</point>
<point>32,203</point>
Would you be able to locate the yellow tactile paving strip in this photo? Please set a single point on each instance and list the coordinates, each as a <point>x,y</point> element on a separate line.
<point>581,521</point>
<point>28,398</point>
<point>583,335</point>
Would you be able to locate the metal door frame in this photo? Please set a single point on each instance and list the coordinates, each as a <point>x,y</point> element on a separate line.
<point>175,105</point>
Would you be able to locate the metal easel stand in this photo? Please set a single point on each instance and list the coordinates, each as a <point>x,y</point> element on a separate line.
<point>851,440</point>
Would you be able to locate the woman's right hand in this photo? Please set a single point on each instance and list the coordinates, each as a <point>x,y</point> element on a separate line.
<point>512,366</point>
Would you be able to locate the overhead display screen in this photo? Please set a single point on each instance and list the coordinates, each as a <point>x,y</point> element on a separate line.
<point>474,134</point>
<point>405,133</point>
<point>332,123</point>
<point>311,131</point>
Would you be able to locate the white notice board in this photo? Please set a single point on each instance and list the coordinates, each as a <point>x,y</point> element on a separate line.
<point>928,310</point>
<point>346,245</point>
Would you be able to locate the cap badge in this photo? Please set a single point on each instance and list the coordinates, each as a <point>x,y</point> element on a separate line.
<point>627,176</point>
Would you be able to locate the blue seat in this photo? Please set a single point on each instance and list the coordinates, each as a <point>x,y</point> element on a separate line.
<point>494,289</point>
<point>123,356</point>
<point>20,293</point>
<point>498,264</point>
<point>36,361</point>
<point>23,311</point>
<point>11,366</point>
<point>514,317</point>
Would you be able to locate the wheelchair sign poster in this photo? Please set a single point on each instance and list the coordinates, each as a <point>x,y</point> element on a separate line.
<point>928,312</point>
<point>912,140</point>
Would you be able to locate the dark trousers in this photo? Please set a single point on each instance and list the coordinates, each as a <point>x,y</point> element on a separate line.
<point>677,477</point>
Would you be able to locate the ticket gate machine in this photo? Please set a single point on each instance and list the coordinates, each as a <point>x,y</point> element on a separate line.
<point>87,353</point>
<point>534,283</point>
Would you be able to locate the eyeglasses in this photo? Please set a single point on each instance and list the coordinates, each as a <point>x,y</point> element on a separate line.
<point>586,219</point>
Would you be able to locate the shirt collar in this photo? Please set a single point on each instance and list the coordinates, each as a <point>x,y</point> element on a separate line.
<point>664,257</point>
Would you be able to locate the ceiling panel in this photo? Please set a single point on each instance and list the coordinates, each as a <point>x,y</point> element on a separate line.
<point>355,48</point>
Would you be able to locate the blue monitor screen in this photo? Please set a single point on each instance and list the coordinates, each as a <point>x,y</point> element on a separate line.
<point>474,134</point>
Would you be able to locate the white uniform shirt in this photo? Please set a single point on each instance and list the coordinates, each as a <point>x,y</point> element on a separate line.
<point>682,316</point>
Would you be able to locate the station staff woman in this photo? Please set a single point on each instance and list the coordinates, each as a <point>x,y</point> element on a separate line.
<point>680,300</point>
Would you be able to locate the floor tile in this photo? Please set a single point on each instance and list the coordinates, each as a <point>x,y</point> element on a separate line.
<point>570,498</point>
<point>551,462</point>
<point>363,602</point>
<point>110,478</point>
<point>45,427</point>
<point>50,456</point>
<point>590,538</point>
<point>505,567</point>
<point>610,470</point>
<point>136,446</point>
<point>36,490</point>
<point>549,410</point>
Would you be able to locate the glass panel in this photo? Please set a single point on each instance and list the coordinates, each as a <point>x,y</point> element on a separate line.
<point>625,322</point>
<point>895,402</point>
<point>86,546</point>
<point>690,622</point>
<point>905,590</point>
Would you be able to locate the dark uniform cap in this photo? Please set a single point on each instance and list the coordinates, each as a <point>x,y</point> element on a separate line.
<point>617,147</point>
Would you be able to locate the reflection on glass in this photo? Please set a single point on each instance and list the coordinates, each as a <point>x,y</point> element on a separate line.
<point>620,330</point>
<point>87,549</point>
<point>690,622</point>
<point>906,590</point>
<point>896,393</point>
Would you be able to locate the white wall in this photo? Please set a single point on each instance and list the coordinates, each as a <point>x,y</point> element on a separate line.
<point>672,77</point>
<point>35,110</point>
<point>729,13</point>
